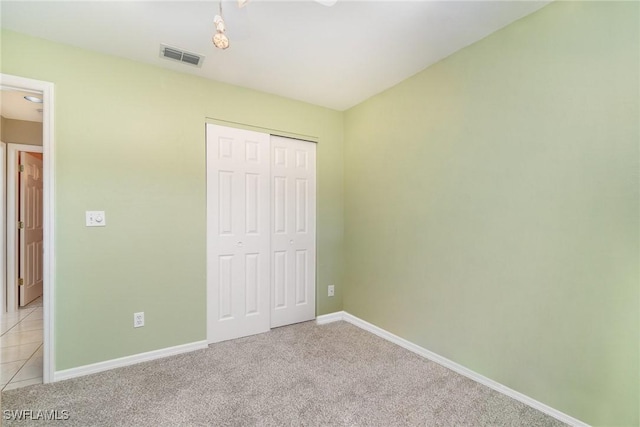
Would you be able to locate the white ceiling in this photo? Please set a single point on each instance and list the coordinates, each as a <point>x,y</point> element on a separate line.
<point>330,56</point>
<point>14,106</point>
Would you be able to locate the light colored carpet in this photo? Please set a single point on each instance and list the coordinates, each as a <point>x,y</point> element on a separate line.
<point>304,374</point>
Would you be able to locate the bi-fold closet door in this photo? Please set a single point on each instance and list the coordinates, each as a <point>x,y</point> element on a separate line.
<point>261,208</point>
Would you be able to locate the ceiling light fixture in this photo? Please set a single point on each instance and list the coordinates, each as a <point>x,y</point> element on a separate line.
<point>33,99</point>
<point>219,39</point>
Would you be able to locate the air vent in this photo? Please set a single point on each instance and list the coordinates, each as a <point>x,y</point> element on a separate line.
<point>191,59</point>
<point>177,54</point>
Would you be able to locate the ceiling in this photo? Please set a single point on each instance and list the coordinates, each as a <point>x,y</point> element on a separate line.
<point>14,106</point>
<point>330,56</point>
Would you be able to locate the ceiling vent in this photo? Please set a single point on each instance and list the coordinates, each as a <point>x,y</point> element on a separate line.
<point>179,55</point>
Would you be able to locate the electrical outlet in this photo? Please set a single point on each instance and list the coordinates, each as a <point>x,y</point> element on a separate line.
<point>138,319</point>
<point>332,290</point>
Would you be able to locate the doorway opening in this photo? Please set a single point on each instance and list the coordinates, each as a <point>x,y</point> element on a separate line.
<point>26,235</point>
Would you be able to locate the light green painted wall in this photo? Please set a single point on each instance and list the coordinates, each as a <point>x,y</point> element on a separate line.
<point>491,207</point>
<point>130,140</point>
<point>491,203</point>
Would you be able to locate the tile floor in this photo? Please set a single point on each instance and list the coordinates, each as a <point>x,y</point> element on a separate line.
<point>21,347</point>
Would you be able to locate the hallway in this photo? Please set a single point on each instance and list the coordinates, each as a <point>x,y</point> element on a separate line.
<point>21,347</point>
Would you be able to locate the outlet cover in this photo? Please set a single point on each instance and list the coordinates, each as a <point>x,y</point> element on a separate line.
<point>332,290</point>
<point>138,319</point>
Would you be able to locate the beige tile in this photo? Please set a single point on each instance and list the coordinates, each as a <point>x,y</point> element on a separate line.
<point>28,372</point>
<point>36,314</point>
<point>35,303</point>
<point>36,359</point>
<point>28,325</point>
<point>9,320</point>
<point>18,315</point>
<point>8,370</point>
<point>40,351</point>
<point>18,338</point>
<point>6,325</point>
<point>17,384</point>
<point>18,352</point>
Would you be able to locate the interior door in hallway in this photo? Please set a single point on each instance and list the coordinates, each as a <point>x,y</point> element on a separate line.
<point>293,238</point>
<point>30,228</point>
<point>238,237</point>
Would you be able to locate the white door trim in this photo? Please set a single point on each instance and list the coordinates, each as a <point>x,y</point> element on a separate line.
<point>3,234</point>
<point>12,220</point>
<point>47,90</point>
<point>260,129</point>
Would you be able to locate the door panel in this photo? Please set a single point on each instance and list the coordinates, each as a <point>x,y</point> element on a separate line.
<point>280,278</point>
<point>238,233</point>
<point>302,265</point>
<point>252,262</point>
<point>31,238</point>
<point>293,239</point>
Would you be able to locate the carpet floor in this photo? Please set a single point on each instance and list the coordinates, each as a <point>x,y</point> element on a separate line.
<point>304,374</point>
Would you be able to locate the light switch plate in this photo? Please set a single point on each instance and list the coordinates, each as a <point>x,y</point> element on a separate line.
<point>96,219</point>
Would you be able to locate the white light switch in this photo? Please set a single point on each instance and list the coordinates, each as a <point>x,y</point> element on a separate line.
<point>96,219</point>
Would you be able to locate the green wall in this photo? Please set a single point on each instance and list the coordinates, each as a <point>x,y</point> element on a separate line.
<point>490,203</point>
<point>491,207</point>
<point>130,140</point>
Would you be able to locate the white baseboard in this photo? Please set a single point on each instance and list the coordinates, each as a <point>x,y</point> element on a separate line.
<point>127,360</point>
<point>331,317</point>
<point>343,315</point>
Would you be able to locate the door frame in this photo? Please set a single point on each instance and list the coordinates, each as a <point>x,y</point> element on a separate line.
<point>3,227</point>
<point>13,151</point>
<point>48,206</point>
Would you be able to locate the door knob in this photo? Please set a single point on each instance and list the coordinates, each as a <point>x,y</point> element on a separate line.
<point>239,243</point>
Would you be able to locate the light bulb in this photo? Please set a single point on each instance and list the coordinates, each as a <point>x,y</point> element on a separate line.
<point>220,40</point>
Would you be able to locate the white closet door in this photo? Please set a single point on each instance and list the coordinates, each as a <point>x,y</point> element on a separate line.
<point>238,233</point>
<point>293,231</point>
